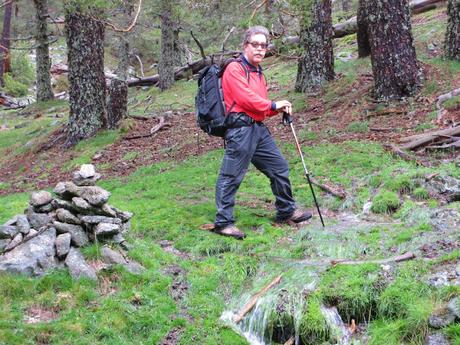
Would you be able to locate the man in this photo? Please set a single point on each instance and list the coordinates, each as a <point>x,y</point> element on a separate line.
<point>247,138</point>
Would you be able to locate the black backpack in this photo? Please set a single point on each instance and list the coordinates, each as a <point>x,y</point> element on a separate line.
<point>209,101</point>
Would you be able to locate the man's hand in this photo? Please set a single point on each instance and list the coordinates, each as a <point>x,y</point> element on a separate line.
<point>284,106</point>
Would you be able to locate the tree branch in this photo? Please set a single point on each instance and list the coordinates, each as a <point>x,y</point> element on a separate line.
<point>130,27</point>
<point>199,45</point>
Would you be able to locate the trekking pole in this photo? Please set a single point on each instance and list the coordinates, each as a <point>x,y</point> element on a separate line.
<point>288,120</point>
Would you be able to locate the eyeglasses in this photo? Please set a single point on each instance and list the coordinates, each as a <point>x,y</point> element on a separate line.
<point>256,45</point>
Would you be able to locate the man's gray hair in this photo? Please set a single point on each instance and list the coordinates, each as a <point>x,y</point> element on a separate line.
<point>255,30</point>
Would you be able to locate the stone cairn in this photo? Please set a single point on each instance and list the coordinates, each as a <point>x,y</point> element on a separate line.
<point>52,230</point>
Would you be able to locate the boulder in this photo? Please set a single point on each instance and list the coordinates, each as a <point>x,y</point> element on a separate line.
<point>66,190</point>
<point>63,244</point>
<point>125,227</point>
<point>78,235</point>
<point>109,211</point>
<point>111,256</point>
<point>86,171</point>
<point>65,216</point>
<point>22,224</point>
<point>95,195</point>
<point>134,267</point>
<point>77,265</point>
<point>82,205</point>
<point>33,257</point>
<point>31,234</point>
<point>80,181</point>
<point>12,221</point>
<point>40,198</point>
<point>7,231</point>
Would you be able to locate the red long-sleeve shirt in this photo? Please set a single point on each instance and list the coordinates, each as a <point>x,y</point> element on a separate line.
<point>250,97</point>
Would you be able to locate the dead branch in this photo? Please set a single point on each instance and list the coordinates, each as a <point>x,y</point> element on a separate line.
<point>380,129</point>
<point>404,155</point>
<point>130,27</point>
<point>428,138</point>
<point>290,341</point>
<point>252,302</point>
<point>256,9</point>
<point>153,130</point>
<point>399,258</point>
<point>442,98</point>
<point>334,190</point>
<point>140,118</point>
<point>226,38</point>
<point>203,55</point>
<point>455,144</point>
<point>140,64</point>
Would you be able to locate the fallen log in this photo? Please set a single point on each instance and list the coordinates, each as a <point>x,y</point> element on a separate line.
<point>399,258</point>
<point>252,302</point>
<point>441,99</point>
<point>334,190</point>
<point>428,138</point>
<point>350,26</point>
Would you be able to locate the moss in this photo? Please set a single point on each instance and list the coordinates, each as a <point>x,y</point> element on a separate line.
<point>352,289</point>
<point>385,202</point>
<point>313,325</point>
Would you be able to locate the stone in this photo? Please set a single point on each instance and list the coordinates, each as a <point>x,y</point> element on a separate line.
<point>79,236</point>
<point>99,219</point>
<point>95,195</point>
<point>108,210</point>
<point>111,256</point>
<point>436,339</point>
<point>457,269</point>
<point>125,227</point>
<point>33,257</point>
<point>15,242</point>
<point>7,231</point>
<point>31,234</point>
<point>66,190</point>
<point>123,215</point>
<point>454,306</point>
<point>66,216</point>
<point>87,171</point>
<point>118,238</point>
<point>4,244</point>
<point>81,204</point>
<point>23,225</point>
<point>80,181</point>
<point>38,220</point>
<point>134,267</point>
<point>441,319</point>
<point>40,198</point>
<point>12,221</point>
<point>105,229</point>
<point>63,244</point>
<point>77,265</point>
<point>44,208</point>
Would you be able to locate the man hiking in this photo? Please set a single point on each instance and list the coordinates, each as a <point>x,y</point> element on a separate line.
<point>248,140</point>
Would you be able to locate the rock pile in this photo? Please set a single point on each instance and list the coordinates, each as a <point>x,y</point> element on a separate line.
<point>53,229</point>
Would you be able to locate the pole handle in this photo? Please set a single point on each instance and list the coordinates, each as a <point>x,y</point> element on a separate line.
<point>287,119</point>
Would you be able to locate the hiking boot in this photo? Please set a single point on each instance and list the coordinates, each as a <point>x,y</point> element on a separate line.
<point>297,216</point>
<point>231,231</point>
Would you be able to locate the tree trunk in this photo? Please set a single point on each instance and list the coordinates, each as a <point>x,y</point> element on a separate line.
<point>5,41</point>
<point>44,90</point>
<point>177,48</point>
<point>394,61</point>
<point>364,48</point>
<point>316,64</point>
<point>85,42</point>
<point>345,6</point>
<point>166,65</point>
<point>117,102</point>
<point>452,42</point>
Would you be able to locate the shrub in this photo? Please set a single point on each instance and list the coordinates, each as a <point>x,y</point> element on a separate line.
<point>385,202</point>
<point>13,87</point>
<point>21,69</point>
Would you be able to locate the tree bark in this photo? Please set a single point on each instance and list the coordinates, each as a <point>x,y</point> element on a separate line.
<point>394,61</point>
<point>5,42</point>
<point>166,65</point>
<point>362,38</point>
<point>452,42</point>
<point>117,101</point>
<point>316,64</point>
<point>44,90</point>
<point>87,94</point>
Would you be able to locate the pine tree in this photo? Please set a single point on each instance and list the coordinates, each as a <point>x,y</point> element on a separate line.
<point>452,42</point>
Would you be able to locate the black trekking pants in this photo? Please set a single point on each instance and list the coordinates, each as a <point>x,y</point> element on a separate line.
<point>251,144</point>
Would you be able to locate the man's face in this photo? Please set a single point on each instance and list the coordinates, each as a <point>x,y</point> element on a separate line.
<point>255,49</point>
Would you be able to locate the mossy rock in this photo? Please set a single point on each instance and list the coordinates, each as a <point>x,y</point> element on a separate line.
<point>385,202</point>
